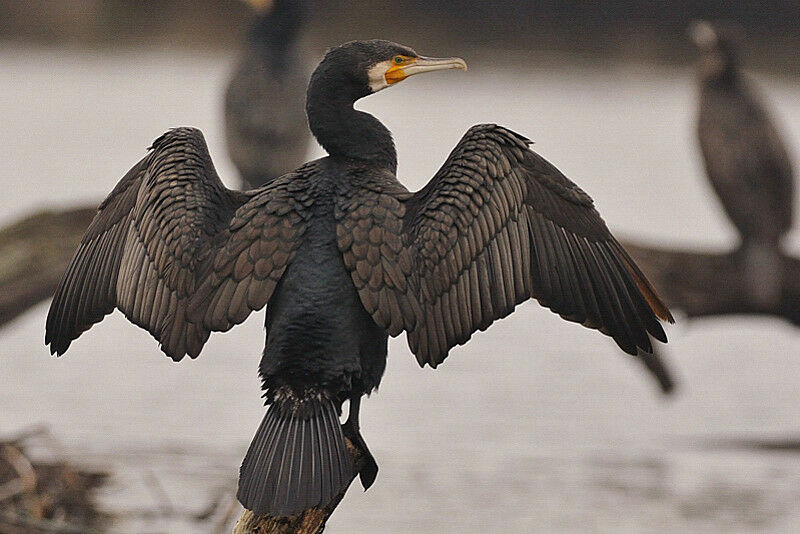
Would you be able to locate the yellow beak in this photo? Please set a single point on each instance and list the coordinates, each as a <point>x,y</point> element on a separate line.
<point>417,65</point>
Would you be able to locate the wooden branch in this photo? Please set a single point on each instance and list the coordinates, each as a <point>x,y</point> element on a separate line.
<point>25,479</point>
<point>312,521</point>
<point>34,253</point>
<point>657,367</point>
<point>29,525</point>
<point>701,284</point>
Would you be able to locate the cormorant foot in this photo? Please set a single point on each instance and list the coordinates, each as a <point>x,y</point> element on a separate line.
<point>369,471</point>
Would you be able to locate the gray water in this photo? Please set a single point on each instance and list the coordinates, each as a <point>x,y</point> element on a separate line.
<point>537,425</point>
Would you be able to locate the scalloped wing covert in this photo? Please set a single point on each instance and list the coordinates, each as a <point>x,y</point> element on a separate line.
<point>172,248</point>
<point>495,226</point>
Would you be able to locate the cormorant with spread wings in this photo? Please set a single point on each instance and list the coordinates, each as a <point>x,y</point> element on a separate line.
<point>344,256</point>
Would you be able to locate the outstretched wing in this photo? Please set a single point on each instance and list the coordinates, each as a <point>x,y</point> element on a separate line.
<point>178,253</point>
<point>495,226</point>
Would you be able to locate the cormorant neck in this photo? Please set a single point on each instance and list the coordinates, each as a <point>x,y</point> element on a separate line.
<point>341,130</point>
<point>720,69</point>
<point>727,77</point>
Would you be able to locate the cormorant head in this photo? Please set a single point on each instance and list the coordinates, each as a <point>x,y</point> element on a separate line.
<point>259,6</point>
<point>365,67</point>
<point>352,71</point>
<point>718,44</point>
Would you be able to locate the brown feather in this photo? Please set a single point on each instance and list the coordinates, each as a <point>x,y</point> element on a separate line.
<point>178,244</point>
<point>496,225</point>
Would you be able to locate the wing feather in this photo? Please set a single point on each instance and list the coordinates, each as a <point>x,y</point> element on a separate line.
<point>178,253</point>
<point>496,226</point>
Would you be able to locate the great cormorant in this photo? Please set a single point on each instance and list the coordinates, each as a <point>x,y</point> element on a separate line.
<point>345,256</point>
<point>265,122</point>
<point>745,159</point>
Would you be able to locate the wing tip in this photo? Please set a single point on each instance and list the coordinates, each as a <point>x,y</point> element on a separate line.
<point>56,344</point>
<point>654,301</point>
<point>175,354</point>
<point>658,307</point>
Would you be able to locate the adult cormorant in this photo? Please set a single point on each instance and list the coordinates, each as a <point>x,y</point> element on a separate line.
<point>345,256</point>
<point>745,158</point>
<point>265,122</point>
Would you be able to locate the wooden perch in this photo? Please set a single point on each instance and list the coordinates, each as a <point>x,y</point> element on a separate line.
<point>703,284</point>
<point>34,253</point>
<point>311,521</point>
<point>700,284</point>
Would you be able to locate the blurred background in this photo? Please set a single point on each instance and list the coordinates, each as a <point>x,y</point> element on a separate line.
<point>536,424</point>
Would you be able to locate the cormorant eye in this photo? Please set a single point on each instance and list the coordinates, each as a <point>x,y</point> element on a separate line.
<point>398,59</point>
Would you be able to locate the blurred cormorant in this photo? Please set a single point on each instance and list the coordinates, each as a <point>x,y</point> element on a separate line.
<point>265,122</point>
<point>745,158</point>
<point>345,256</point>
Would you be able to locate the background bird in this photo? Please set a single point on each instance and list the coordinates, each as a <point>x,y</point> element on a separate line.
<point>745,158</point>
<point>265,123</point>
<point>345,256</point>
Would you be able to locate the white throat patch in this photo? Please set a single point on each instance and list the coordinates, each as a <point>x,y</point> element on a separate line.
<point>377,75</point>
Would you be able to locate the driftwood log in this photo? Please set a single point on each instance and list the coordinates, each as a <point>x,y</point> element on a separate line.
<point>35,251</point>
<point>700,284</point>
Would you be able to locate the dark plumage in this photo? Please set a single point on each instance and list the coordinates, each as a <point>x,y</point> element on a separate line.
<point>265,123</point>
<point>745,159</point>
<point>346,256</point>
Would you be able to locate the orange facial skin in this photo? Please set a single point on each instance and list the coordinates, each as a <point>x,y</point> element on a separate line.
<point>395,73</point>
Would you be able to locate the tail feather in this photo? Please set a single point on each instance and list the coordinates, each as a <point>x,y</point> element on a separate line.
<point>297,460</point>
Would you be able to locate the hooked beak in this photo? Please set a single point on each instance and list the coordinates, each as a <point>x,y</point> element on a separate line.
<point>419,65</point>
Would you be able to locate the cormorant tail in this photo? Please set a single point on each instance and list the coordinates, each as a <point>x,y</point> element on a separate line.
<point>297,459</point>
